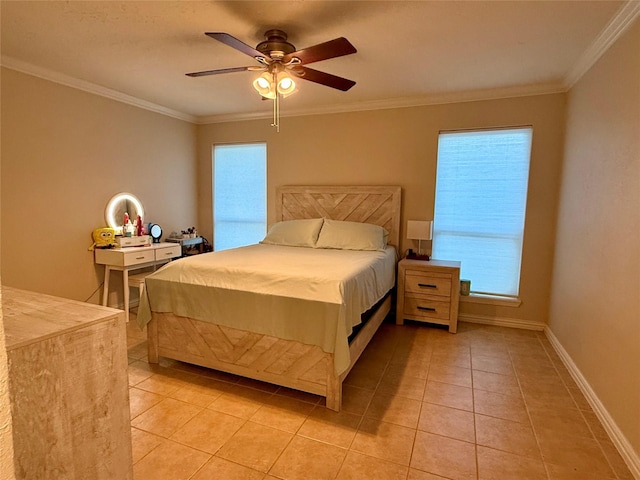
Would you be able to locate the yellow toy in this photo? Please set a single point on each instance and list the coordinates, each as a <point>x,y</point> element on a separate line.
<point>103,238</point>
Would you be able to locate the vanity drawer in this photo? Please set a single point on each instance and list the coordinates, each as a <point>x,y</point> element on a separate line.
<point>140,241</point>
<point>124,257</point>
<point>168,252</point>
<point>137,255</point>
<point>432,283</point>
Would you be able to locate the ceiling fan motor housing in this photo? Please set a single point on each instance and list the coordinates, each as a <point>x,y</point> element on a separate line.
<point>275,45</point>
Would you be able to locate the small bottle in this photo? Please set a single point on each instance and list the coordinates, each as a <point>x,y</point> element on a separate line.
<point>125,225</point>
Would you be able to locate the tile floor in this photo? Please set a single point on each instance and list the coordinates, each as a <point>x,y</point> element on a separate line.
<point>421,404</point>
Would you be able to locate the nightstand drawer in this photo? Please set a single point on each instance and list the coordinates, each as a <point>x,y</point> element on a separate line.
<point>424,306</point>
<point>432,284</point>
<point>167,253</point>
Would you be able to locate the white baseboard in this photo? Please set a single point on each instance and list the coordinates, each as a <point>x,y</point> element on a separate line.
<point>618,438</point>
<point>502,322</point>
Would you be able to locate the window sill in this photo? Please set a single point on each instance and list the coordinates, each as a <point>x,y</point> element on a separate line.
<point>491,300</point>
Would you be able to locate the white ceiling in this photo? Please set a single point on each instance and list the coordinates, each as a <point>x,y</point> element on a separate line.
<point>409,53</point>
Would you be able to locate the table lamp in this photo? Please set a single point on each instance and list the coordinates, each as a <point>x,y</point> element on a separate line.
<point>419,230</point>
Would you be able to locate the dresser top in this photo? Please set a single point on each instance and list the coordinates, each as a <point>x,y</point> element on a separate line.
<point>30,317</point>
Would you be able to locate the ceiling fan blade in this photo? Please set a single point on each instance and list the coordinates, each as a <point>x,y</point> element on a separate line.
<point>323,51</point>
<point>221,70</point>
<point>235,43</point>
<point>322,78</point>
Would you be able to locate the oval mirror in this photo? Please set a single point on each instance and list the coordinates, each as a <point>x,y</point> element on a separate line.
<point>116,208</point>
<point>155,232</point>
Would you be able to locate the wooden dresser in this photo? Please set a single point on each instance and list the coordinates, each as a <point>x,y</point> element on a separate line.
<point>68,388</point>
<point>428,291</point>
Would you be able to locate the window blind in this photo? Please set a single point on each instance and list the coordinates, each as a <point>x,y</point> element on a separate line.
<point>239,195</point>
<point>481,192</point>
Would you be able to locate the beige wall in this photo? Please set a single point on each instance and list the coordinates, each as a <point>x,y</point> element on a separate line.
<point>65,153</point>
<point>399,147</point>
<point>595,308</point>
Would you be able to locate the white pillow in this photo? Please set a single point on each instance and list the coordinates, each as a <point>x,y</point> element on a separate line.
<point>352,236</point>
<point>294,233</point>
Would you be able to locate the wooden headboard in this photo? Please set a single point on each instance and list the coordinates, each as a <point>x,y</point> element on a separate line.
<point>376,204</point>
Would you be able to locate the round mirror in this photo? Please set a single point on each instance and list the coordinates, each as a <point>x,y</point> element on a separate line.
<point>155,232</point>
<point>116,208</point>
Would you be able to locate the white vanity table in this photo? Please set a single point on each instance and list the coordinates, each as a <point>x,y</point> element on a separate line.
<point>133,258</point>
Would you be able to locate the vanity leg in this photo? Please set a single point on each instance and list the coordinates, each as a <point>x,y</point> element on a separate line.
<point>125,284</point>
<point>105,289</point>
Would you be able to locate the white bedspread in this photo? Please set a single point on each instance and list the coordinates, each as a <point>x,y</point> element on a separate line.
<point>314,296</point>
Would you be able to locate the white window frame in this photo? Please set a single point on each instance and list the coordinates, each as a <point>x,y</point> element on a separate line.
<point>466,219</point>
<point>239,210</point>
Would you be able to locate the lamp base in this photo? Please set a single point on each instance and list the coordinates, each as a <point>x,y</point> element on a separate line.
<point>417,256</point>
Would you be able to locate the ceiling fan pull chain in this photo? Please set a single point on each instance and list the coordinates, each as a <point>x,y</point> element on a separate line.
<point>276,99</point>
<point>276,112</point>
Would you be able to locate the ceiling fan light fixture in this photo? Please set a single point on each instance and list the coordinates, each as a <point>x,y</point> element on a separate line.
<point>275,55</point>
<point>277,82</point>
<point>264,85</point>
<point>286,85</point>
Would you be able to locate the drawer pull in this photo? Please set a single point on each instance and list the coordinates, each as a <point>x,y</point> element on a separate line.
<point>427,285</point>
<point>139,258</point>
<point>427,309</point>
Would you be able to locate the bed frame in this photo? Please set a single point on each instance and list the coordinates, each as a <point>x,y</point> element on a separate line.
<point>274,360</point>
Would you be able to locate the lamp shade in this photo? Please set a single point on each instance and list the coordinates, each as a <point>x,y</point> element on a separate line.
<point>286,85</point>
<point>419,230</point>
<point>263,84</point>
<point>276,82</point>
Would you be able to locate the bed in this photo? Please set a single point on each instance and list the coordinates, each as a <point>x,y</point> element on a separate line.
<point>239,321</point>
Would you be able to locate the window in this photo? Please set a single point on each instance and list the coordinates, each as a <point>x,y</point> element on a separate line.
<point>481,193</point>
<point>239,195</point>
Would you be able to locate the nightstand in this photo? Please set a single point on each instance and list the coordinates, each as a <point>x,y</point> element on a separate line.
<point>190,246</point>
<point>428,291</point>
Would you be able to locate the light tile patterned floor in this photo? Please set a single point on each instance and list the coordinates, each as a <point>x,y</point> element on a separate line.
<point>421,404</point>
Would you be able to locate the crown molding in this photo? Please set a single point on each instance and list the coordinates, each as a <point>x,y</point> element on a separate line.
<point>400,102</point>
<point>614,29</point>
<point>62,79</point>
<point>609,35</point>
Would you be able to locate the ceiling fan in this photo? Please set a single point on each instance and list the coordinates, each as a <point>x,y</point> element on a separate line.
<point>279,60</point>
<point>277,57</point>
